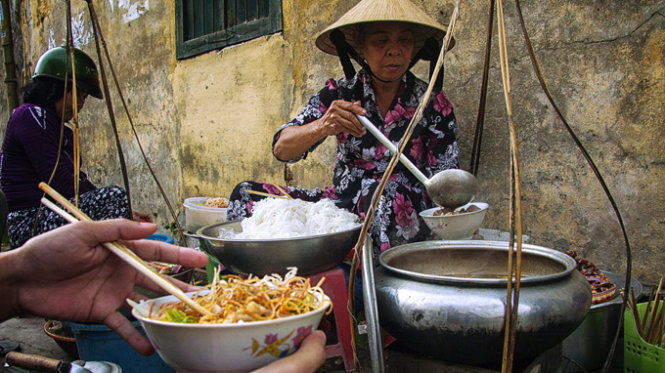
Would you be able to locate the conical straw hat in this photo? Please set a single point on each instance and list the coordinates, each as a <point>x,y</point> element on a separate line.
<point>382,10</point>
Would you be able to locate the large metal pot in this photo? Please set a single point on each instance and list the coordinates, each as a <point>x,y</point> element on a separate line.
<point>446,300</point>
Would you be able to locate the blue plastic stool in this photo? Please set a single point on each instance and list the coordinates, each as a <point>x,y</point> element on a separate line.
<point>161,237</point>
<point>96,342</point>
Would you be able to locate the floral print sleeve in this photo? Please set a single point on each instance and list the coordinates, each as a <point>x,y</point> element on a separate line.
<point>440,143</point>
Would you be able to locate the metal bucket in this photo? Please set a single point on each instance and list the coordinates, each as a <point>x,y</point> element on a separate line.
<point>446,300</point>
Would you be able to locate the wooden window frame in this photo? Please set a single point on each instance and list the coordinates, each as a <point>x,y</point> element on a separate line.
<point>213,40</point>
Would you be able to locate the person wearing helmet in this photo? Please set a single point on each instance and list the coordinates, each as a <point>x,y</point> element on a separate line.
<point>32,151</point>
<point>385,37</point>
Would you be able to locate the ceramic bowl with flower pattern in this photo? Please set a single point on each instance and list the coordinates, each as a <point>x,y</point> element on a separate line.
<point>239,347</point>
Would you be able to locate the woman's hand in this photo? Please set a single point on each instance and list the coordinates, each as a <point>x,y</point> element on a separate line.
<point>141,216</point>
<point>341,117</point>
<point>308,358</point>
<point>67,274</point>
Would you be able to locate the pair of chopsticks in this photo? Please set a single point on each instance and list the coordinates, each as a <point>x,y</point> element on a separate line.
<point>117,248</point>
<point>285,196</point>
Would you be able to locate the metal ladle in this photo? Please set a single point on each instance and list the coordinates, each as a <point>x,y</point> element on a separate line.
<point>450,188</point>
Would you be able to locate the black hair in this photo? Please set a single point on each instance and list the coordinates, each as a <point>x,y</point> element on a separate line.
<point>44,92</point>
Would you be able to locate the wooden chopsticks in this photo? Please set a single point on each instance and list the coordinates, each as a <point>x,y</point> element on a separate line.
<point>267,194</point>
<point>119,249</point>
<point>287,195</point>
<point>258,193</point>
<point>651,325</point>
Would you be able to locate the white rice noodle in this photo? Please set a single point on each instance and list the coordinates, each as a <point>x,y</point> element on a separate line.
<point>274,218</point>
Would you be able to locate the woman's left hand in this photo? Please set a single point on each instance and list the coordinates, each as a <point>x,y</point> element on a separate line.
<point>141,216</point>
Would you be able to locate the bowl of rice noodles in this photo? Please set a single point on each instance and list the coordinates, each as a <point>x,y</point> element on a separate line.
<point>282,233</point>
<point>253,321</point>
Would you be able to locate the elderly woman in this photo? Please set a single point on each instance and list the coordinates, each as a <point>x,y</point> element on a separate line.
<point>386,37</point>
<point>37,148</point>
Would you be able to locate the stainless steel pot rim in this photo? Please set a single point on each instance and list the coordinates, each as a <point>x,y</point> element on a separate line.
<point>200,234</point>
<point>567,261</point>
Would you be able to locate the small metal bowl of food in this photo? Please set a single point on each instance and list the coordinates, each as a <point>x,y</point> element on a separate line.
<point>202,211</point>
<point>459,224</point>
<point>310,254</point>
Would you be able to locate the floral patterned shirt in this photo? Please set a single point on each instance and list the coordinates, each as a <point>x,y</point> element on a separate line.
<point>361,162</point>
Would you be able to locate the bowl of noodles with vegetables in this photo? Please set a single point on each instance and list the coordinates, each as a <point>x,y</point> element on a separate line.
<point>282,233</point>
<point>252,322</point>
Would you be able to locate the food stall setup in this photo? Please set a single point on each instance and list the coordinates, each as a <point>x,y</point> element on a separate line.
<point>456,301</point>
<point>485,305</point>
<point>472,304</point>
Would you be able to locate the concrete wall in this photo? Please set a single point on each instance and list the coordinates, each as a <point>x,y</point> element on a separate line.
<point>207,122</point>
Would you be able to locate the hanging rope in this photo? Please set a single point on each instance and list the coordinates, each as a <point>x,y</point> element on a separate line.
<point>75,119</point>
<point>68,48</point>
<point>515,241</point>
<point>109,107</point>
<point>480,121</point>
<point>99,38</point>
<point>369,214</point>
<point>599,177</point>
<point>509,341</point>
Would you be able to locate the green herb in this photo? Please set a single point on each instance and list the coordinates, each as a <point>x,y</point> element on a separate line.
<point>175,315</point>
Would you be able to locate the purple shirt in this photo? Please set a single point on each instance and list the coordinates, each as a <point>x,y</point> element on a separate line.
<point>29,154</point>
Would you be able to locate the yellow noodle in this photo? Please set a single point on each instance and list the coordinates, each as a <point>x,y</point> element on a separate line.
<point>233,299</point>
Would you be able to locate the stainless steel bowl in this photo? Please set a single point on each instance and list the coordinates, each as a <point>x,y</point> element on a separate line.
<point>311,254</point>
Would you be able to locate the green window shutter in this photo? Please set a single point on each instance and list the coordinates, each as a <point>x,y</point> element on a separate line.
<point>205,25</point>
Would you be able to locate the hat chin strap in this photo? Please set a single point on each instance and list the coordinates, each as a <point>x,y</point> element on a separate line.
<point>428,52</point>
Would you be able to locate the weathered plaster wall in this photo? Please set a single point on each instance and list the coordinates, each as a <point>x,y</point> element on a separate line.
<point>227,129</point>
<point>605,66</point>
<point>207,122</point>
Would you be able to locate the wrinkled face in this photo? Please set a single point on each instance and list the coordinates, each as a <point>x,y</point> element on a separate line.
<point>388,48</point>
<point>65,104</point>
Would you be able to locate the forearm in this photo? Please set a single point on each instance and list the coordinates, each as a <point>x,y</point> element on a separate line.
<point>9,282</point>
<point>294,141</point>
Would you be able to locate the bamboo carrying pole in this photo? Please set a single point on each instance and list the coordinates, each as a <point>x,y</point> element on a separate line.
<point>515,242</point>
<point>120,250</point>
